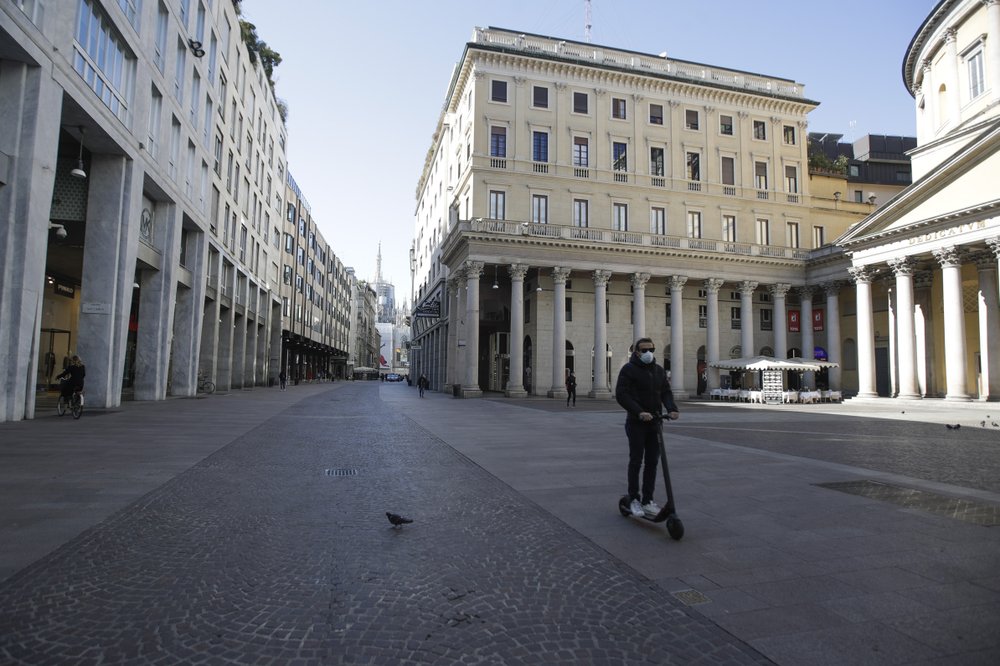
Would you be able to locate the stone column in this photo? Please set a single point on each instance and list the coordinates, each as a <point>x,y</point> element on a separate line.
<point>950,259</point>
<point>473,271</point>
<point>989,323</point>
<point>922,323</point>
<point>833,344</point>
<point>905,332</point>
<point>453,358</point>
<point>600,387</point>
<point>778,292</point>
<point>639,281</point>
<point>747,288</point>
<point>993,45</point>
<point>677,283</point>
<point>559,276</point>
<point>227,322</point>
<point>808,339</point>
<point>711,287</point>
<point>515,385</point>
<point>862,276</point>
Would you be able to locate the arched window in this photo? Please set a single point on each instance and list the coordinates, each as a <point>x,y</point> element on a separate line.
<point>941,111</point>
<point>766,351</point>
<point>736,352</point>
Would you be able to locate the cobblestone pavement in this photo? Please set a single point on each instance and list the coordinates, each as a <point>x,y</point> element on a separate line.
<point>275,550</point>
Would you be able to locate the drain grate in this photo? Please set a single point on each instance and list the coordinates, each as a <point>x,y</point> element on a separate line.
<point>691,597</point>
<point>968,511</point>
<point>342,471</point>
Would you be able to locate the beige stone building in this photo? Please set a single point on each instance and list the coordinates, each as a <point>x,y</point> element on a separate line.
<point>578,196</point>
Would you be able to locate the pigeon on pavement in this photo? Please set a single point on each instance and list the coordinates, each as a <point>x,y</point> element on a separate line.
<point>952,427</point>
<point>396,519</point>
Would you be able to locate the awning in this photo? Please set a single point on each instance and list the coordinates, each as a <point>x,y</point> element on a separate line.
<point>765,363</point>
<point>822,364</point>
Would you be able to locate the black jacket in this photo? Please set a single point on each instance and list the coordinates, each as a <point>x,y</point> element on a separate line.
<point>643,388</point>
<point>73,374</point>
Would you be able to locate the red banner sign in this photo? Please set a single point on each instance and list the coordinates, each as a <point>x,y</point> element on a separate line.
<point>817,320</point>
<point>793,321</point>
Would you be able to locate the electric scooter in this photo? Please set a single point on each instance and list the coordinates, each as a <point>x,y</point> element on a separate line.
<point>668,513</point>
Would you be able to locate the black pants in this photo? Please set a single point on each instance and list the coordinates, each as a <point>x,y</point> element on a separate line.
<point>643,447</point>
<point>571,395</point>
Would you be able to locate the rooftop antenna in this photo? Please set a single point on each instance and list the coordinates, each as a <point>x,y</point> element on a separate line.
<point>586,20</point>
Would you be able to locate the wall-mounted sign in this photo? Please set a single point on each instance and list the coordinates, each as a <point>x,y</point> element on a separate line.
<point>817,320</point>
<point>63,290</point>
<point>95,308</point>
<point>429,309</point>
<point>793,321</point>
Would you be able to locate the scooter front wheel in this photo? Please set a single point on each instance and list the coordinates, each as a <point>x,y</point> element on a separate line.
<point>623,506</point>
<point>675,528</point>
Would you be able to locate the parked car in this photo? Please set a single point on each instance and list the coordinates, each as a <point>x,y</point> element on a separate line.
<point>393,377</point>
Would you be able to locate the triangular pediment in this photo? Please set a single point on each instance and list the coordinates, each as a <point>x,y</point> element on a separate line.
<point>962,184</point>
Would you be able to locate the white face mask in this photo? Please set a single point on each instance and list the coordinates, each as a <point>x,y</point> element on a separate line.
<point>646,357</point>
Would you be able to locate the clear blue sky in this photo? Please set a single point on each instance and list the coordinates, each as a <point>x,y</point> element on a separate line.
<point>365,81</point>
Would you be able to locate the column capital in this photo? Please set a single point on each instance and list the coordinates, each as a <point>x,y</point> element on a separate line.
<point>778,289</point>
<point>862,274</point>
<point>985,261</point>
<point>560,85</point>
<point>639,280</point>
<point>560,274</point>
<point>994,243</point>
<point>903,266</point>
<point>747,287</point>
<point>473,270</point>
<point>712,285</point>
<point>950,35</point>
<point>601,277</point>
<point>949,257</point>
<point>806,292</point>
<point>677,281</point>
<point>517,271</point>
<point>923,279</point>
<point>832,287</point>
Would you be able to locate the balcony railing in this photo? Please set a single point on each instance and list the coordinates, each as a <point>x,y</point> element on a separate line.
<point>631,238</point>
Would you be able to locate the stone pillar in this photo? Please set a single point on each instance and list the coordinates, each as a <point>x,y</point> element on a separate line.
<point>240,336</point>
<point>862,276</point>
<point>473,271</point>
<point>639,281</point>
<point>993,46</point>
<point>227,322</point>
<point>905,332</point>
<point>600,387</point>
<point>559,276</point>
<point>778,292</point>
<point>711,287</point>
<point>188,319</point>
<point>922,323</point>
<point>275,366</point>
<point>109,253</point>
<point>677,283</point>
<point>453,359</point>
<point>515,385</point>
<point>209,348</point>
<point>989,323</point>
<point>950,259</point>
<point>808,339</point>
<point>834,350</point>
<point>747,288</point>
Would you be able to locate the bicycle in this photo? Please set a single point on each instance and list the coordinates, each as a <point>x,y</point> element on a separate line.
<point>205,385</point>
<point>73,404</point>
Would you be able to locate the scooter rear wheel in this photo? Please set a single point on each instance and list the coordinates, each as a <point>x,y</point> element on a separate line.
<point>675,528</point>
<point>623,507</point>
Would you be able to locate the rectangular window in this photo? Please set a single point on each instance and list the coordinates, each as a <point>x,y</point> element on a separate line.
<point>666,309</point>
<point>760,130</point>
<point>581,213</point>
<point>175,147</point>
<point>160,44</point>
<point>792,234</point>
<point>498,205</point>
<point>216,198</point>
<point>540,97</point>
<point>217,153</point>
<point>155,111</point>
<point>539,209</point>
<point>618,108</point>
<point>580,103</point>
<point>691,119</point>
<point>498,142</point>
<point>581,151</point>
<point>527,311</point>
<point>819,236</point>
<point>693,166</point>
<point>735,318</point>
<point>789,134</point>
<point>619,219</point>
<point>655,114</point>
<point>694,224</point>
<point>702,316</point>
<point>763,232</point>
<point>102,59</point>
<point>760,175</point>
<point>540,146</point>
<point>729,228</point>
<point>791,180</point>
<point>765,319</point>
<point>498,91</point>
<point>975,67</point>
<point>656,162</point>
<point>619,156</point>
<point>658,220</point>
<point>569,309</point>
<point>725,125</point>
<point>728,170</point>
<point>213,47</point>
<point>195,99</point>
<point>179,69</point>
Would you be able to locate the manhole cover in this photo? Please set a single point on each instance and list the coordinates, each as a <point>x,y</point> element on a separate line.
<point>968,511</point>
<point>691,597</point>
<point>342,472</point>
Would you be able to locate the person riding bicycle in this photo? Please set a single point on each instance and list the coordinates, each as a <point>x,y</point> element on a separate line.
<point>72,378</point>
<point>641,388</point>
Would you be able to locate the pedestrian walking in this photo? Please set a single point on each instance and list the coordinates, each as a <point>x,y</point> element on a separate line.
<point>423,383</point>
<point>282,379</point>
<point>641,389</point>
<point>571,388</point>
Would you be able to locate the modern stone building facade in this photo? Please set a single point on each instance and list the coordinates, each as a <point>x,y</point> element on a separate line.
<point>142,199</point>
